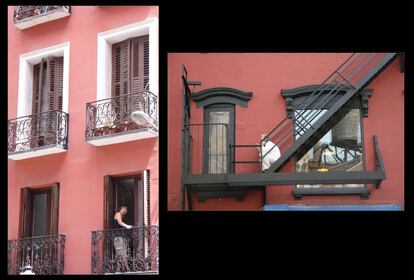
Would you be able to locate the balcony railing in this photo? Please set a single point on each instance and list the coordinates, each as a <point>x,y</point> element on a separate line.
<point>38,131</point>
<point>139,256</point>
<point>27,16</point>
<point>207,149</point>
<point>112,116</point>
<point>45,254</point>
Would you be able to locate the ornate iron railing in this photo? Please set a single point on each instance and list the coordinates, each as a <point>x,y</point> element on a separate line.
<point>34,131</point>
<point>25,13</point>
<point>113,115</point>
<point>45,254</point>
<point>140,253</point>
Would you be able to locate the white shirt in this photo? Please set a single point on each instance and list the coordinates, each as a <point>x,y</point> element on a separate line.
<point>271,157</point>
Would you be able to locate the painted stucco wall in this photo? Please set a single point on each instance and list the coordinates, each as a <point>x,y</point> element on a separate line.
<point>265,75</point>
<point>82,168</point>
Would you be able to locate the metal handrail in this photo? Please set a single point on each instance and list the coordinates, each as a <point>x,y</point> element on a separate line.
<point>317,109</point>
<point>112,112</point>
<point>120,96</point>
<point>28,132</point>
<point>141,257</point>
<point>38,114</point>
<point>37,237</point>
<point>45,254</point>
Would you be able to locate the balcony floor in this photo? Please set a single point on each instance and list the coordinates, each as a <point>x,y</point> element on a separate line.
<point>284,178</point>
<point>39,19</point>
<point>37,152</point>
<point>122,137</point>
<point>134,273</point>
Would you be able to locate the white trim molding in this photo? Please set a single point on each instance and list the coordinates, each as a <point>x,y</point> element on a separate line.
<point>104,60</point>
<point>27,60</point>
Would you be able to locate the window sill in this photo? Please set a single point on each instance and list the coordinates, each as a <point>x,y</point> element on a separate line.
<point>364,192</point>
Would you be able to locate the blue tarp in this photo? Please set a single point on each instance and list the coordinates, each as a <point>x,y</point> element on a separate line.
<point>286,207</point>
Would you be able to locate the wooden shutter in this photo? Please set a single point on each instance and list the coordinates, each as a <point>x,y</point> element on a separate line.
<point>37,87</point>
<point>146,63</point>
<point>109,209</point>
<point>140,64</point>
<point>147,205</point>
<point>59,83</point>
<point>147,222</point>
<point>54,228</point>
<point>36,103</point>
<point>130,72</point>
<point>54,93</point>
<point>25,224</point>
<point>54,79</point>
<point>121,77</point>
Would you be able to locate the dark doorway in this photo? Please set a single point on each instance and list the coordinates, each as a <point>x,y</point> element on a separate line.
<point>125,190</point>
<point>129,191</point>
<point>41,212</point>
<point>39,215</point>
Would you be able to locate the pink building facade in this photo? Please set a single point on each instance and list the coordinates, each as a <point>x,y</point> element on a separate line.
<point>82,137</point>
<point>260,90</point>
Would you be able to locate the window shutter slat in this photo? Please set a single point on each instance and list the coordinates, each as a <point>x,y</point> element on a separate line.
<point>37,87</point>
<point>51,83</point>
<point>147,222</point>
<point>130,68</point>
<point>55,209</point>
<point>25,213</point>
<point>137,68</point>
<point>109,209</point>
<point>121,76</point>
<point>36,102</point>
<point>126,76</point>
<point>140,64</point>
<point>54,93</point>
<point>55,83</point>
<point>146,179</point>
<point>146,64</point>
<point>59,83</point>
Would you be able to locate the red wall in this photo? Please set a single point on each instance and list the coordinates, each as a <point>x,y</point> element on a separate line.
<point>82,168</point>
<point>265,75</point>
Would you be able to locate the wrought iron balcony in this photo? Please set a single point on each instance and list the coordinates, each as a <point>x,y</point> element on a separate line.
<point>28,16</point>
<point>37,135</point>
<point>45,254</point>
<point>140,255</point>
<point>109,121</point>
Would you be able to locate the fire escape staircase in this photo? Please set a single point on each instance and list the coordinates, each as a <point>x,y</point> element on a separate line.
<point>311,121</point>
<point>353,76</point>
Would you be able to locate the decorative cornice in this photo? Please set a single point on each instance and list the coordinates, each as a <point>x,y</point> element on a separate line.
<point>221,95</point>
<point>291,94</point>
<point>308,89</point>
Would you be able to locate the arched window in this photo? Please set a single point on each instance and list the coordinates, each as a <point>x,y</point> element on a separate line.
<point>219,126</point>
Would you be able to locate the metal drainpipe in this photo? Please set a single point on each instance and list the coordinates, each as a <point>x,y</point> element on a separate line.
<point>182,188</point>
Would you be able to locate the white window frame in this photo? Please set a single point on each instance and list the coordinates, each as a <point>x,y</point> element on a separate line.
<point>27,60</point>
<point>104,54</point>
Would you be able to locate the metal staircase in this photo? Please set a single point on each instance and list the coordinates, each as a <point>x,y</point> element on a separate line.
<point>311,119</point>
